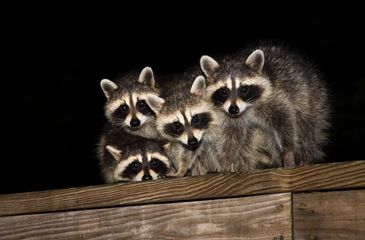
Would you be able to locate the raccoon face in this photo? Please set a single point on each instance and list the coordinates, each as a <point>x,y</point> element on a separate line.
<point>132,109</point>
<point>237,89</point>
<point>147,165</point>
<point>186,127</point>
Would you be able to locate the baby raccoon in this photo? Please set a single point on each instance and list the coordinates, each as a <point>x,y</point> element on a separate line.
<point>278,91</point>
<point>125,157</point>
<point>133,105</point>
<point>188,123</point>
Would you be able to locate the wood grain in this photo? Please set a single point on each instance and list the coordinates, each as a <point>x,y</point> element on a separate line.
<point>257,217</point>
<point>329,215</point>
<point>347,175</point>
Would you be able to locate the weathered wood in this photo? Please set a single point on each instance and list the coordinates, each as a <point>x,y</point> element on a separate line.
<point>329,215</point>
<point>347,175</point>
<point>257,217</point>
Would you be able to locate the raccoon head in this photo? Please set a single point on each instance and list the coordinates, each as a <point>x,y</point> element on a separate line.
<point>134,105</point>
<point>186,126</point>
<point>235,87</point>
<point>141,165</point>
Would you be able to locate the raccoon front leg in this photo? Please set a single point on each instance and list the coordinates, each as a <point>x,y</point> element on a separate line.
<point>182,168</point>
<point>279,123</point>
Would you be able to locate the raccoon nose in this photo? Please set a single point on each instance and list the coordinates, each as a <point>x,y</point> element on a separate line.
<point>193,142</point>
<point>135,122</point>
<point>146,178</point>
<point>233,109</point>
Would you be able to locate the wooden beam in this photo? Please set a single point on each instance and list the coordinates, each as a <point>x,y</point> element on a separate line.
<point>329,215</point>
<point>331,176</point>
<point>257,217</point>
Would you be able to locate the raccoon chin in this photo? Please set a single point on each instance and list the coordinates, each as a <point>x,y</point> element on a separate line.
<point>234,115</point>
<point>132,129</point>
<point>192,148</point>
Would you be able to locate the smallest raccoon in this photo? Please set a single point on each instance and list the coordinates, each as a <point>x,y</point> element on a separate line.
<point>125,157</point>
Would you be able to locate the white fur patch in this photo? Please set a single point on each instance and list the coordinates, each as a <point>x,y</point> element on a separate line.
<point>183,138</point>
<point>198,133</point>
<point>242,105</point>
<point>139,176</point>
<point>160,157</point>
<point>237,82</point>
<point>229,82</point>
<point>226,105</point>
<point>188,115</point>
<point>127,120</point>
<point>111,107</point>
<point>212,88</point>
<point>134,99</point>
<point>200,107</point>
<point>153,174</point>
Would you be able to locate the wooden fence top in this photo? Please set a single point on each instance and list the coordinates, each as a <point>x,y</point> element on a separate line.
<point>329,176</point>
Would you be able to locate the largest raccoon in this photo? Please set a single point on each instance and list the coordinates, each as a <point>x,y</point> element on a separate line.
<point>279,91</point>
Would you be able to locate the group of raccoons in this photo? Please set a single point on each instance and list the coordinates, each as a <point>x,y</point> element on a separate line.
<point>265,106</point>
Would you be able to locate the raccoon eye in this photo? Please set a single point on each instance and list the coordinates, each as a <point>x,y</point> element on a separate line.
<point>158,166</point>
<point>195,120</point>
<point>223,92</point>
<point>178,128</point>
<point>142,104</point>
<point>155,163</point>
<point>243,89</point>
<point>122,111</point>
<point>220,95</point>
<point>123,108</point>
<point>136,165</point>
<point>201,121</point>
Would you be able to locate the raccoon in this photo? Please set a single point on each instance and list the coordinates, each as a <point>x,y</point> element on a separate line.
<point>241,145</point>
<point>279,91</point>
<point>133,102</point>
<point>188,123</point>
<point>126,157</point>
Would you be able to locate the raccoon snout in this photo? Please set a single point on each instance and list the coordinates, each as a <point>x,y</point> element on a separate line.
<point>233,109</point>
<point>135,122</point>
<point>193,143</point>
<point>146,178</point>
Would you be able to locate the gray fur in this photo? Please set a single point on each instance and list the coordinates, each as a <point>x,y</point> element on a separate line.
<point>203,159</point>
<point>133,82</point>
<point>127,144</point>
<point>293,117</point>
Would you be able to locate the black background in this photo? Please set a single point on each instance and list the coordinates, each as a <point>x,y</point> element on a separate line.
<point>55,54</point>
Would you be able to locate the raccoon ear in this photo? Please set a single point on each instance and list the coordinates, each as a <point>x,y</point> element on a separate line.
<point>108,87</point>
<point>115,152</point>
<point>155,102</point>
<point>208,65</point>
<point>256,60</point>
<point>146,77</point>
<point>198,86</point>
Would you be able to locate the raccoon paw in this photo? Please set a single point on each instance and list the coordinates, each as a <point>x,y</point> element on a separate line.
<point>176,174</point>
<point>288,159</point>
